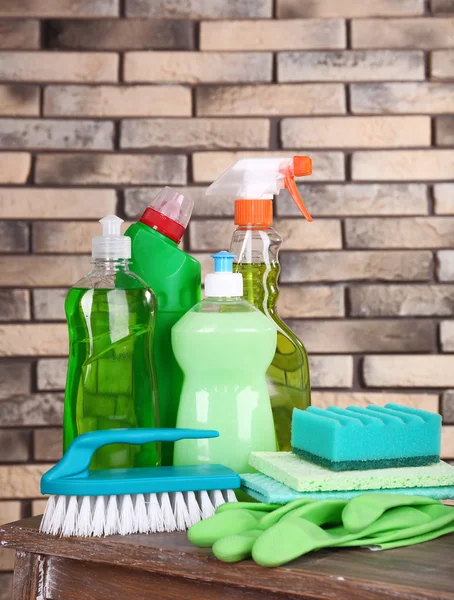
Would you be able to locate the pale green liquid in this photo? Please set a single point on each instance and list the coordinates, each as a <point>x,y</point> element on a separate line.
<point>224,356</point>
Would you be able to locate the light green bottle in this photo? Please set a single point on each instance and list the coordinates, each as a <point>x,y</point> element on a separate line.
<point>224,346</point>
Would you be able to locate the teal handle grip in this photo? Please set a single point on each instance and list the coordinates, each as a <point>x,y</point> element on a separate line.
<point>77,458</point>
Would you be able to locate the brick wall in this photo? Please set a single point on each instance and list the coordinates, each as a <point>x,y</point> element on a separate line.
<point>102,100</point>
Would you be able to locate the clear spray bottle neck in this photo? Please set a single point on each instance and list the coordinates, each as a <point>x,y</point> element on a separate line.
<point>255,245</point>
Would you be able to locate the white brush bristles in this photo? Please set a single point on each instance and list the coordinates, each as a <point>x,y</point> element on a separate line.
<point>168,518</point>
<point>112,525</point>
<point>86,516</point>
<point>99,516</point>
<point>206,506</point>
<point>155,520</point>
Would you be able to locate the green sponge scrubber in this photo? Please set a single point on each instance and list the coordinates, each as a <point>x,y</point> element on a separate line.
<point>366,438</point>
<point>304,476</point>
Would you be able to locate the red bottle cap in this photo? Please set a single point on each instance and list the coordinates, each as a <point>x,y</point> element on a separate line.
<point>169,213</point>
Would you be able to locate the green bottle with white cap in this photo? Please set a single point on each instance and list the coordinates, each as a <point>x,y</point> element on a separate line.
<point>111,380</point>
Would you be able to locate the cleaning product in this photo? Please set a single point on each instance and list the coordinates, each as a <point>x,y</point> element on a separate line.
<point>275,536</point>
<point>175,277</point>
<point>304,476</point>
<point>140,500</point>
<point>265,489</point>
<point>367,438</point>
<point>252,183</point>
<point>111,381</point>
<point>224,346</point>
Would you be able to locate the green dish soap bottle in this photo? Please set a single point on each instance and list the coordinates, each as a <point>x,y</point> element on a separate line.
<point>252,183</point>
<point>111,380</point>
<point>175,277</point>
<point>224,346</point>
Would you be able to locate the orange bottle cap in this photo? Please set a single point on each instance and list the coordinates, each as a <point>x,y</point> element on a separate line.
<point>258,213</point>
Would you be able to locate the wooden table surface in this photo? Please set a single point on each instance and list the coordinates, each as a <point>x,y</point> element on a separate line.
<point>167,566</point>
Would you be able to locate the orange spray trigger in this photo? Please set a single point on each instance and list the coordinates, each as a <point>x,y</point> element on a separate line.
<point>294,193</point>
<point>302,165</point>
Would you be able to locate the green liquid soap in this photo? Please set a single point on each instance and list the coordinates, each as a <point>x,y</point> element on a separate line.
<point>288,374</point>
<point>111,379</point>
<point>224,357</point>
<point>224,346</point>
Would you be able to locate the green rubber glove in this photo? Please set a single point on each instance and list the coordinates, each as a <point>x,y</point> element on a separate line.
<point>394,525</point>
<point>239,519</point>
<point>274,536</point>
<point>366,508</point>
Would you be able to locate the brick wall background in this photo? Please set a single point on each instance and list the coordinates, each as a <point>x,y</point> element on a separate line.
<point>101,101</point>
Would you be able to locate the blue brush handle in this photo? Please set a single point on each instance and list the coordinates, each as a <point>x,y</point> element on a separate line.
<point>77,458</point>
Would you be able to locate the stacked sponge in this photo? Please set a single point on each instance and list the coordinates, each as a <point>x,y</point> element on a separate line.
<point>367,438</point>
<point>339,453</point>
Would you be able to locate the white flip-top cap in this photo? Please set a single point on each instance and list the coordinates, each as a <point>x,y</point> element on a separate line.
<point>111,244</point>
<point>223,283</point>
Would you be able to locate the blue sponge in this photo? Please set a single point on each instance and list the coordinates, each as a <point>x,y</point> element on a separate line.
<point>268,490</point>
<point>366,438</point>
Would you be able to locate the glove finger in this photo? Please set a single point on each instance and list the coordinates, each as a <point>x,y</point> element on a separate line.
<point>322,512</point>
<point>363,510</point>
<point>400,523</point>
<point>373,545</point>
<point>258,506</point>
<point>234,548</point>
<point>205,533</point>
<point>281,511</point>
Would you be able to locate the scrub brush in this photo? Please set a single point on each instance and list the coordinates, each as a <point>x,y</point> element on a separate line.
<point>139,500</point>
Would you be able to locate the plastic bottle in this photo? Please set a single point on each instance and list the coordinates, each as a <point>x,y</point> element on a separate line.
<point>224,346</point>
<point>111,380</point>
<point>252,183</point>
<point>175,277</point>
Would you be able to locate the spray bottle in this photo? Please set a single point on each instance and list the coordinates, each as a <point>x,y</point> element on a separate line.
<point>111,380</point>
<point>253,183</point>
<point>175,277</point>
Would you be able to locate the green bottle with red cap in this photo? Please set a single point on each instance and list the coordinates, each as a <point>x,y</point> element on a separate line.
<point>175,278</point>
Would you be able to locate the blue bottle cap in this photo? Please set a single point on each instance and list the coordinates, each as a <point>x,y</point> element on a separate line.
<point>223,262</point>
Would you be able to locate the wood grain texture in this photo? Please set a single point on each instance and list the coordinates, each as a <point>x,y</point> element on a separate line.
<point>93,581</point>
<point>26,577</point>
<point>421,572</point>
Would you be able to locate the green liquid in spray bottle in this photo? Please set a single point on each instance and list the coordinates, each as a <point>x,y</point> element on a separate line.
<point>288,375</point>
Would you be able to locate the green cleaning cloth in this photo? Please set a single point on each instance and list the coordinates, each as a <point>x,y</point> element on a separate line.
<point>274,536</point>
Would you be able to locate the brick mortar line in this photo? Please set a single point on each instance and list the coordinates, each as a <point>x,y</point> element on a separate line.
<point>175,50</point>
<point>348,116</point>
